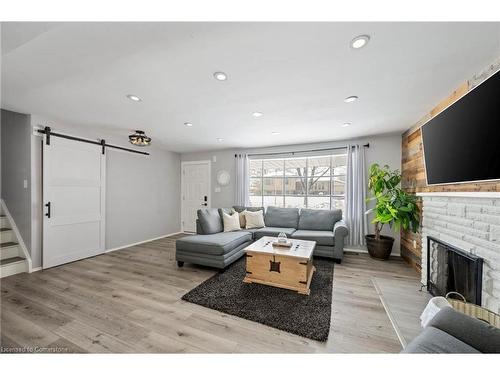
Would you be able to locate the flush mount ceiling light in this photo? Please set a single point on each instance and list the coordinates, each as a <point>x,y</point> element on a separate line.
<point>220,76</point>
<point>257,114</point>
<point>188,124</point>
<point>139,139</point>
<point>219,139</point>
<point>134,98</point>
<point>346,124</point>
<point>360,41</point>
<point>275,133</point>
<point>351,99</point>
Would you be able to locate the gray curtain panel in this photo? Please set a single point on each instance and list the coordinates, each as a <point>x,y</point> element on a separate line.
<point>242,180</point>
<point>356,196</point>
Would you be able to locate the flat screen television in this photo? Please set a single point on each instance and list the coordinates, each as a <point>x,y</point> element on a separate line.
<point>462,143</point>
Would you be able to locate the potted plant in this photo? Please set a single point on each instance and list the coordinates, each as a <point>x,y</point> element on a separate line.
<point>393,206</point>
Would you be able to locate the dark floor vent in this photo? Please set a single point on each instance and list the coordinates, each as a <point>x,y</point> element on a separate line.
<point>453,270</point>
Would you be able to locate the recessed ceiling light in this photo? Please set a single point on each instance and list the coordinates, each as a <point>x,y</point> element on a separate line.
<point>275,133</point>
<point>134,98</point>
<point>346,124</point>
<point>360,41</point>
<point>257,114</point>
<point>188,124</point>
<point>220,76</point>
<point>351,99</point>
<point>220,139</point>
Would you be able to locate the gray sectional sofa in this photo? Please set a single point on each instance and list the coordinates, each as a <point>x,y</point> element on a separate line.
<point>213,247</point>
<point>451,331</point>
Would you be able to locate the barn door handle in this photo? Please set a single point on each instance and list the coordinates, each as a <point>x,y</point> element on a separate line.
<point>48,209</point>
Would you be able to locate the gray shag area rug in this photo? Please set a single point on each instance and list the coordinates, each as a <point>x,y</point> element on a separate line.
<point>307,316</point>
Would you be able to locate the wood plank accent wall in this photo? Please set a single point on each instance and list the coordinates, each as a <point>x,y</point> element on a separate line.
<point>413,171</point>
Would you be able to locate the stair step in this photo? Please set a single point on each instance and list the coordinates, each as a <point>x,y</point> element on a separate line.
<point>7,235</point>
<point>10,260</point>
<point>8,244</point>
<point>10,252</point>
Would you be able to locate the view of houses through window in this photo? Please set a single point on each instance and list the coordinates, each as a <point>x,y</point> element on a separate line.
<point>303,182</point>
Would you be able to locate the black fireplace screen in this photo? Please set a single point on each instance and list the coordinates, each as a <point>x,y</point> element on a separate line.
<point>452,270</point>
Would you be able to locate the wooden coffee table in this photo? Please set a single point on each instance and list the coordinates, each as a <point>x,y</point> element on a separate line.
<point>288,268</point>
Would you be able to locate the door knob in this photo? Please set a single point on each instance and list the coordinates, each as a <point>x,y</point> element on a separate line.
<point>204,204</point>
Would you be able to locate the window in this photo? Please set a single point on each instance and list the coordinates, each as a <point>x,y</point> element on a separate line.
<point>302,182</point>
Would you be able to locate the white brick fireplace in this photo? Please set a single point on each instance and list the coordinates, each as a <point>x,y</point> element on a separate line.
<point>471,222</point>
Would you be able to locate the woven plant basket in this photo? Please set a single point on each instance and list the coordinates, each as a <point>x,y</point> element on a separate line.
<point>473,310</point>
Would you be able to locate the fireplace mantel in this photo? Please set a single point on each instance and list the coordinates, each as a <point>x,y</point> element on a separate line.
<point>462,194</point>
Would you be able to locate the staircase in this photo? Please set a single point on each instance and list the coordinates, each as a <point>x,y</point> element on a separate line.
<point>12,258</point>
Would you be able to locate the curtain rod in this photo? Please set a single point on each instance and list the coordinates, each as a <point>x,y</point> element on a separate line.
<point>49,133</point>
<point>301,152</point>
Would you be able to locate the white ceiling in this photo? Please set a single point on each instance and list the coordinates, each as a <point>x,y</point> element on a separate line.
<point>297,74</point>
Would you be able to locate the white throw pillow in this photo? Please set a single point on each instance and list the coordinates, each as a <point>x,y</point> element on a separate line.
<point>231,222</point>
<point>254,219</point>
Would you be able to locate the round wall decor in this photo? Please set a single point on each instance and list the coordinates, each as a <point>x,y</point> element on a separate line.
<point>223,177</point>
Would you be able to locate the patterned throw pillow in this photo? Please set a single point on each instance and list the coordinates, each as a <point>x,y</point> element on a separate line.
<point>254,219</point>
<point>231,222</point>
<point>243,221</point>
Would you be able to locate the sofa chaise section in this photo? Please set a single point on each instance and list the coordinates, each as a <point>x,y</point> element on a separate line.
<point>215,250</point>
<point>211,246</point>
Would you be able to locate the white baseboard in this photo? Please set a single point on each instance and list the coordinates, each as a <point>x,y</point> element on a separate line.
<point>36,269</point>
<point>141,242</point>
<point>17,234</point>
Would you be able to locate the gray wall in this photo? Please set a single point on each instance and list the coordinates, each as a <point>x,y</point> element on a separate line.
<point>15,155</point>
<point>143,196</point>
<point>142,192</point>
<point>384,149</point>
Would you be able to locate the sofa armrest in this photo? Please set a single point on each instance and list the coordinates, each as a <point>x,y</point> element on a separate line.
<point>474,332</point>
<point>340,229</point>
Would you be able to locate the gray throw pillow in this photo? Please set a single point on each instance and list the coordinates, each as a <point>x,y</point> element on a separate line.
<point>210,220</point>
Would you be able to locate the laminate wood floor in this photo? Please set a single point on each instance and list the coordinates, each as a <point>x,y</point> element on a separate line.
<point>129,301</point>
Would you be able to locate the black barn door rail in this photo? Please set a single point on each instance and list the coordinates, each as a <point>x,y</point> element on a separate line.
<point>49,133</point>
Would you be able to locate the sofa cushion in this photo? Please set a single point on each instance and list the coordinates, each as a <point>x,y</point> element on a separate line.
<point>282,217</point>
<point>322,237</point>
<point>213,244</point>
<point>433,340</point>
<point>251,231</point>
<point>273,232</point>
<point>318,219</point>
<point>476,333</point>
<point>210,220</point>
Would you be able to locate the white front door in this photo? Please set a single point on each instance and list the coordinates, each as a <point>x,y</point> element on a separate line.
<point>73,197</point>
<point>195,192</point>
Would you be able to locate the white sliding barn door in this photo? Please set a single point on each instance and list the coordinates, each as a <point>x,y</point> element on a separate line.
<point>74,192</point>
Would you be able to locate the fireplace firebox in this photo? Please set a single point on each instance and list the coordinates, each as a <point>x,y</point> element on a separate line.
<point>450,269</point>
